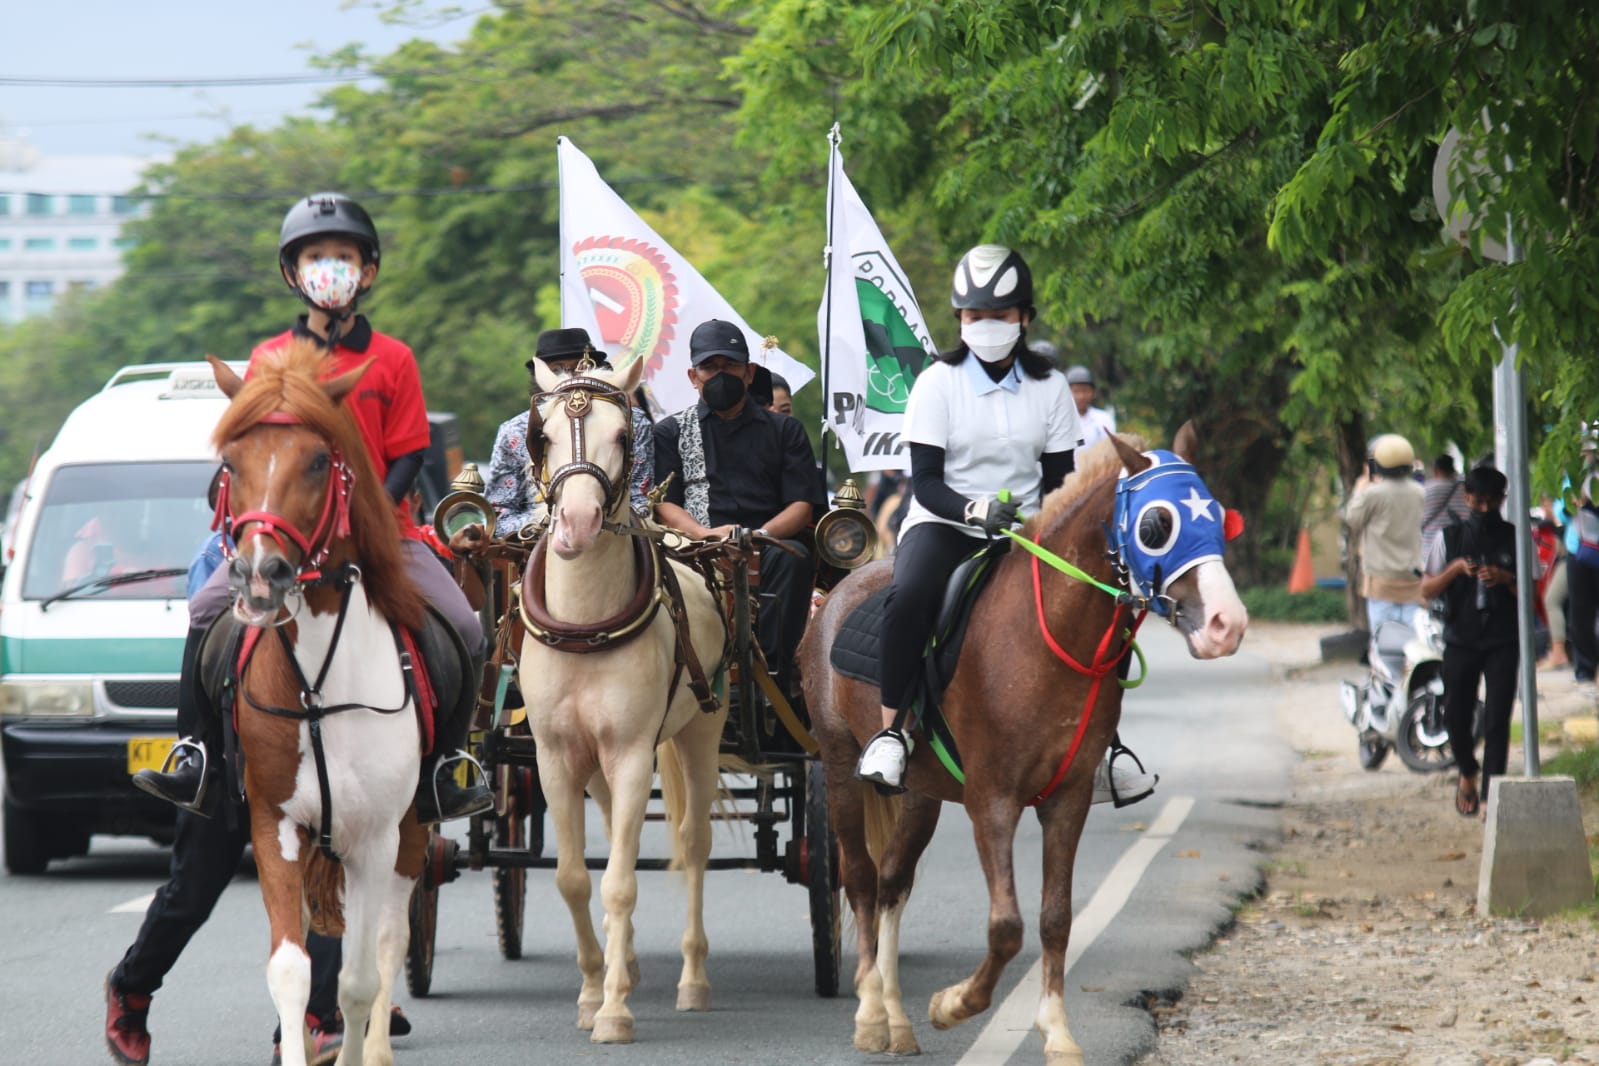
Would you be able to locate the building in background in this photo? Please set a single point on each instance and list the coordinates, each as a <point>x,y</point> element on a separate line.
<point>61,221</point>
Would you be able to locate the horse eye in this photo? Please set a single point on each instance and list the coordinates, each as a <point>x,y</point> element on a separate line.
<point>1157,528</point>
<point>319,462</point>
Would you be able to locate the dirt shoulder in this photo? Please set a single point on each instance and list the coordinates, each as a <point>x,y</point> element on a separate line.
<point>1364,946</point>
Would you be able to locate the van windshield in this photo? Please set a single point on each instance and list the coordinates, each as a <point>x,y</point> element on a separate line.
<point>105,519</point>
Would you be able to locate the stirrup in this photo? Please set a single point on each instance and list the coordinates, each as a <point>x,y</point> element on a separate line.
<point>452,760</point>
<point>144,782</point>
<point>1117,750</point>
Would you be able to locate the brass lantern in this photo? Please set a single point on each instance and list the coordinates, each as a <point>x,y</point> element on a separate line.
<point>846,537</point>
<point>464,505</point>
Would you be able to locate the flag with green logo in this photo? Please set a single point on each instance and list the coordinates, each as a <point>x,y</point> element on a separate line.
<point>873,339</point>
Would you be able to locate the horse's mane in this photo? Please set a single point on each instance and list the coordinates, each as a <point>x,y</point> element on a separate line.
<point>288,379</point>
<point>1095,465</point>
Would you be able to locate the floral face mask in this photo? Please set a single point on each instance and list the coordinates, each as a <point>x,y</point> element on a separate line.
<point>331,284</point>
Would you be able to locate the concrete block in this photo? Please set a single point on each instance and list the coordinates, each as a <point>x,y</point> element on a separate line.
<point>1534,855</point>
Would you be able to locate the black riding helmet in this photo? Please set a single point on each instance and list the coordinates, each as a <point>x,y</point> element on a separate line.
<point>992,277</point>
<point>326,214</point>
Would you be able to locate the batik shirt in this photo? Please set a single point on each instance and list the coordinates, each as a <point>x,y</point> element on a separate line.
<point>511,491</point>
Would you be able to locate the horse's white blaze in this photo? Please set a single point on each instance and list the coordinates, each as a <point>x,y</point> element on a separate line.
<point>1215,624</point>
<point>289,981</point>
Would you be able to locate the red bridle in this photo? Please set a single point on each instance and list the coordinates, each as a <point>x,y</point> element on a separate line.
<point>333,524</point>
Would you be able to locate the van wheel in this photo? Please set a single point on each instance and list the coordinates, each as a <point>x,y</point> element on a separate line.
<point>27,849</point>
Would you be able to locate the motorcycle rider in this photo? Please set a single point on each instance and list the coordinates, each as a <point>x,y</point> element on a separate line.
<point>1384,513</point>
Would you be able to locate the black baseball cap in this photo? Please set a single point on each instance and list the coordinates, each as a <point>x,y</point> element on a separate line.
<point>715,338</point>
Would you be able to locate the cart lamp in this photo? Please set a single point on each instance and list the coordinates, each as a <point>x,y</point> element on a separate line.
<point>464,505</point>
<point>846,537</point>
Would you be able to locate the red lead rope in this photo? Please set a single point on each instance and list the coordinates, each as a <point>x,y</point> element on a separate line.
<point>1096,670</point>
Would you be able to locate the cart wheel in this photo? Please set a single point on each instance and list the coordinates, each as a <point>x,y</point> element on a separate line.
<point>510,833</point>
<point>424,914</point>
<point>821,877</point>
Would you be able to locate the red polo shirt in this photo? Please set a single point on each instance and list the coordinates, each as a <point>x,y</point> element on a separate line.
<point>387,402</point>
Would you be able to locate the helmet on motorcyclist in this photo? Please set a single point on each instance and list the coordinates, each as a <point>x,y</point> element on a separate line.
<point>992,277</point>
<point>1079,375</point>
<point>1392,455</point>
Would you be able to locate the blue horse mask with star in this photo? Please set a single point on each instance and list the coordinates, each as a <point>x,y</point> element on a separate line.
<point>1165,523</point>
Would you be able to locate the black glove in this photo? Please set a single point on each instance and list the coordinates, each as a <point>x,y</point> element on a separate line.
<point>992,515</point>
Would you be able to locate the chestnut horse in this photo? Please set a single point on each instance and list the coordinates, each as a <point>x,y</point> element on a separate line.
<point>1015,708</point>
<point>613,668</point>
<point>326,715</point>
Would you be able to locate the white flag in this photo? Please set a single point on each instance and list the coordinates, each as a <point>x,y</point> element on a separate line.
<point>629,288</point>
<point>874,341</point>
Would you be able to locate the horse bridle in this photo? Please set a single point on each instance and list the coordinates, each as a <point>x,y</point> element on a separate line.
<point>579,393</point>
<point>333,523</point>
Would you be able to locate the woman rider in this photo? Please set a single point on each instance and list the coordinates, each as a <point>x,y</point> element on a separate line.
<point>1002,420</point>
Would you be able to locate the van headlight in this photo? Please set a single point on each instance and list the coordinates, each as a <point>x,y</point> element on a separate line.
<point>47,699</point>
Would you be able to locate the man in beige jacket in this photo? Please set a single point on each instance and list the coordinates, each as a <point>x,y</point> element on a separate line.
<point>1384,515</point>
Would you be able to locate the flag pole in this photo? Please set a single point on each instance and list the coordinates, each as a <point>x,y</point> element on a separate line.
<point>833,139</point>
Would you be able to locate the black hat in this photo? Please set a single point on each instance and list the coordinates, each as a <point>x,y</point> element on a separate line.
<point>715,338</point>
<point>558,344</point>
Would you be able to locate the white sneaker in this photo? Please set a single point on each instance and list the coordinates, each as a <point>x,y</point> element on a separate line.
<point>883,761</point>
<point>1112,784</point>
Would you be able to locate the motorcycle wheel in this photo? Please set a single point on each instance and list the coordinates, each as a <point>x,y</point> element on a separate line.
<point>1373,750</point>
<point>1423,742</point>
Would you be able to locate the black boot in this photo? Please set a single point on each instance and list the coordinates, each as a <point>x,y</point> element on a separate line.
<point>182,781</point>
<point>441,798</point>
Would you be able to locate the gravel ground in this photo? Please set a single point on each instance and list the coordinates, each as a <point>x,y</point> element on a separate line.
<point>1364,948</point>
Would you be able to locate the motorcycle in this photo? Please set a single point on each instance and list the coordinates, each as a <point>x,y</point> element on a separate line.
<point>1400,706</point>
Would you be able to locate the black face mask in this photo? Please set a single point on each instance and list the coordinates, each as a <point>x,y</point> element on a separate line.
<point>1486,520</point>
<point>722,392</point>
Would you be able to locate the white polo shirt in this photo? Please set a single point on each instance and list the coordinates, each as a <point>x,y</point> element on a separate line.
<point>1098,424</point>
<point>992,432</point>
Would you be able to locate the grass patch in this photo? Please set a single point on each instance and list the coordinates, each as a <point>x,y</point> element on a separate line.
<point>1580,764</point>
<point>1273,603</point>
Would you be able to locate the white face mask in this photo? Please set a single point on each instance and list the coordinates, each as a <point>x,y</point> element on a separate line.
<point>991,339</point>
<point>331,284</point>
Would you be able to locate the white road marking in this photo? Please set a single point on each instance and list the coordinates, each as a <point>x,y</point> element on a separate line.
<point>134,906</point>
<point>1011,1023</point>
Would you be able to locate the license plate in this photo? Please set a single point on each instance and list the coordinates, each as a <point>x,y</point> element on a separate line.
<point>148,753</point>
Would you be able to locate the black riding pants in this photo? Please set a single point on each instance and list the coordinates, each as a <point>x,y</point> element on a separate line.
<point>784,605</point>
<point>205,855</point>
<point>1496,668</point>
<point>923,561</point>
<point>1582,591</point>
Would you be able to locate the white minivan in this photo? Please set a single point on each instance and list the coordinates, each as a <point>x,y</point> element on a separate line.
<point>93,610</point>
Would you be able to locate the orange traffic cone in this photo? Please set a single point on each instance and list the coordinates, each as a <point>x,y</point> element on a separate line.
<point>1302,578</point>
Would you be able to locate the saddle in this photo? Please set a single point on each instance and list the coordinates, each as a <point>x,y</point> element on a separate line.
<point>856,649</point>
<point>443,669</point>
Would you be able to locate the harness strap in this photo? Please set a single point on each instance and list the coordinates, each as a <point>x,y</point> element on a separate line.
<point>683,650</point>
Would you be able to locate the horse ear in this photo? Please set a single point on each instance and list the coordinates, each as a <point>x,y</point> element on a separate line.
<point>229,382</point>
<point>1186,443</point>
<point>630,379</point>
<point>1133,459</point>
<point>338,388</point>
<point>547,379</point>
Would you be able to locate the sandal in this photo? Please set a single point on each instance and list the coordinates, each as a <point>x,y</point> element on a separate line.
<point>1467,802</point>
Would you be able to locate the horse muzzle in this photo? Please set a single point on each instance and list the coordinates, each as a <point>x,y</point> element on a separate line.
<point>260,585</point>
<point>1209,613</point>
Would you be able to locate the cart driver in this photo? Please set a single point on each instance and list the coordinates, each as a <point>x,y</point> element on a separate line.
<point>734,464</point>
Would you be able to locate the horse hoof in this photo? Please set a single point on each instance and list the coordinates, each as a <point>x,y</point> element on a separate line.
<point>612,1030</point>
<point>945,1010</point>
<point>694,997</point>
<point>871,1037</point>
<point>902,1041</point>
<point>585,1015</point>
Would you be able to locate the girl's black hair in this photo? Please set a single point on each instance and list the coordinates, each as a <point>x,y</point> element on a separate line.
<point>1034,365</point>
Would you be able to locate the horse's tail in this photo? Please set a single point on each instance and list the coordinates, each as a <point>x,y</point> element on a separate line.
<point>880,814</point>
<point>324,894</point>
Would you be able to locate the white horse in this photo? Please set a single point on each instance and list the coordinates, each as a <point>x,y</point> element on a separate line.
<point>602,670</point>
<point>326,719</point>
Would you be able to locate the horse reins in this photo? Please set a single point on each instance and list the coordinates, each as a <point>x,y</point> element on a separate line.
<point>579,393</point>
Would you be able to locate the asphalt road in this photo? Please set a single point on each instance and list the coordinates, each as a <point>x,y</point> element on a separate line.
<point>1153,881</point>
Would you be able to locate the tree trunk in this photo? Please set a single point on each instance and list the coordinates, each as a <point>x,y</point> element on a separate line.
<point>1350,440</point>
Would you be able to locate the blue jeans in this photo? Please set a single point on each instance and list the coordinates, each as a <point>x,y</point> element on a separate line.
<point>1380,611</point>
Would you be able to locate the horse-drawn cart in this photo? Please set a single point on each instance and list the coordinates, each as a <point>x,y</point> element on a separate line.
<point>770,776</point>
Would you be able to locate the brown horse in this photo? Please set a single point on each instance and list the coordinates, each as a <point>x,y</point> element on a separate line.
<point>326,717</point>
<point>1014,708</point>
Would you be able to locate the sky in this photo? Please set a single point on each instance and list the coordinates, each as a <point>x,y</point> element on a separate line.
<point>177,39</point>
